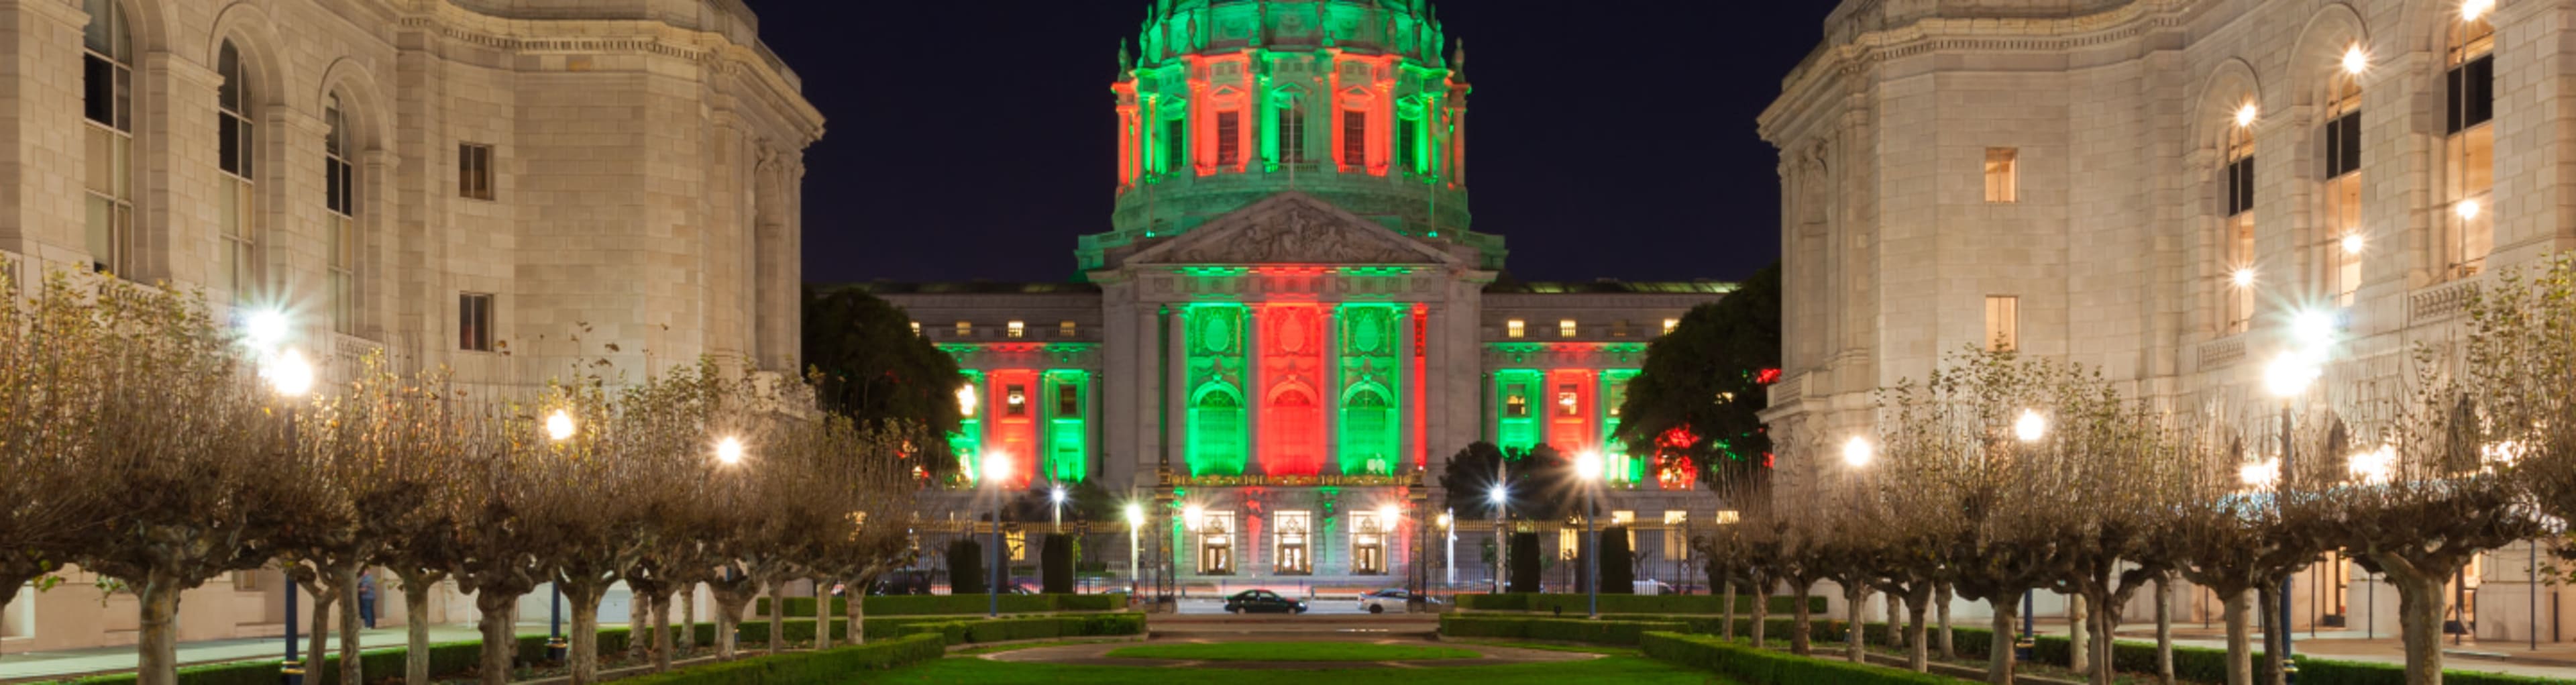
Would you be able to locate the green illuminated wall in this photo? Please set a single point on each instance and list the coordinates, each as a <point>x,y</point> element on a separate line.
<point>1614,392</point>
<point>1219,423</point>
<point>968,441</point>
<point>1371,385</point>
<point>1516,425</point>
<point>1067,402</point>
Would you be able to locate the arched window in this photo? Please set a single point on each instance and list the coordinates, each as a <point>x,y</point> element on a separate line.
<point>1216,433</point>
<point>238,197</point>
<point>1369,433</point>
<point>2468,153</point>
<point>2339,250</point>
<point>2237,236</point>
<point>107,93</point>
<point>340,224</point>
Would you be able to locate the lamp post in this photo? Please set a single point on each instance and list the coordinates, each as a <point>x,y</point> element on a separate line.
<point>1587,467</point>
<point>1135,522</point>
<point>997,468</point>
<point>290,377</point>
<point>559,428</point>
<point>2030,428</point>
<point>1502,498</point>
<point>2288,378</point>
<point>1056,496</point>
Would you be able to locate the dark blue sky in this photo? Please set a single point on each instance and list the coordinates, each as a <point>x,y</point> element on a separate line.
<point>975,140</point>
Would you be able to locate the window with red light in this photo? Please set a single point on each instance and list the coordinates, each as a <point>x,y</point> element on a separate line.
<point>1016,402</point>
<point>1354,138</point>
<point>1568,402</point>
<point>1229,138</point>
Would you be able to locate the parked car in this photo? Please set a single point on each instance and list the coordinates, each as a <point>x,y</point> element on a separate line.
<point>1262,601</point>
<point>1392,599</point>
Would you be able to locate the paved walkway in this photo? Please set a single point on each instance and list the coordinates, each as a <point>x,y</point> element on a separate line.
<point>55,665</point>
<point>1097,655</point>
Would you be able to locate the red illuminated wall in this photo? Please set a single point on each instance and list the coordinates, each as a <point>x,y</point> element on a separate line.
<point>1571,431</point>
<point>1014,428</point>
<point>1376,99</point>
<point>1292,401</point>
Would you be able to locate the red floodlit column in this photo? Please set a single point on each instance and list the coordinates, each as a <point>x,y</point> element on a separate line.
<point>1014,411</point>
<point>1293,382</point>
<point>1570,421</point>
<point>1421,384</point>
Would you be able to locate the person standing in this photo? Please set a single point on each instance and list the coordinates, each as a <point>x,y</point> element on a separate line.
<point>367,598</point>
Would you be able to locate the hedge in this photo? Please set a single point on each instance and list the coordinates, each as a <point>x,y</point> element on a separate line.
<point>445,659</point>
<point>804,668</point>
<point>1764,667</point>
<point>2325,672</point>
<point>1030,628</point>
<point>932,605</point>
<point>1556,629</point>
<point>1632,604</point>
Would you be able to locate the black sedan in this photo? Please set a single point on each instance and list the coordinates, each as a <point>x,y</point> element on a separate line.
<point>1262,601</point>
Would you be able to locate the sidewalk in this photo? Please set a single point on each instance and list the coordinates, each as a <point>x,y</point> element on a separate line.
<point>56,665</point>
<point>2552,660</point>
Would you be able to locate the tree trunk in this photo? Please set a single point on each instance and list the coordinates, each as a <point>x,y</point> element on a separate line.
<point>416,628</point>
<point>822,614</point>
<point>1854,595</point>
<point>1941,598</point>
<point>777,616</point>
<point>584,598</point>
<point>500,635</point>
<point>639,619</point>
<point>2104,621</point>
<point>2420,602</point>
<point>661,633</point>
<point>2164,629</point>
<point>1801,628</point>
<point>1894,619</point>
<point>351,667</point>
<point>1999,651</point>
<point>318,636</point>
<point>2240,640</point>
<point>1726,629</point>
<point>1762,614</point>
<point>858,611</point>
<point>1918,655</point>
<point>689,617</point>
<point>157,643</point>
<point>729,606</point>
<point>2079,645</point>
<point>2274,631</point>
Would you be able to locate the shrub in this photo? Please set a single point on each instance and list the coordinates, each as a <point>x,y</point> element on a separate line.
<point>1524,559</point>
<point>1765,667</point>
<point>1030,628</point>
<point>1055,564</point>
<point>965,566</point>
<point>804,668</point>
<point>1618,563</point>
<point>1633,604</point>
<point>445,659</point>
<point>955,605</point>
<point>1553,629</point>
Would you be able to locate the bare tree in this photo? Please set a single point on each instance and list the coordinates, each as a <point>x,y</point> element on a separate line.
<point>500,481</point>
<point>374,446</point>
<point>50,379</point>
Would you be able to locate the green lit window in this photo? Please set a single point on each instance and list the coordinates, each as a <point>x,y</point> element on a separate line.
<point>1068,400</point>
<point>1175,144</point>
<point>1292,133</point>
<point>1369,433</point>
<point>1516,402</point>
<point>1408,143</point>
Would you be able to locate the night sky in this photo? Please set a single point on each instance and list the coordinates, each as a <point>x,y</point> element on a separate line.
<point>976,140</point>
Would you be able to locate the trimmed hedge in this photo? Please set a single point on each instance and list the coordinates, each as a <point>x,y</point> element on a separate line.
<point>933,605</point>
<point>1764,667</point>
<point>2326,672</point>
<point>1030,628</point>
<point>445,659</point>
<point>1556,629</point>
<point>805,668</point>
<point>1632,604</point>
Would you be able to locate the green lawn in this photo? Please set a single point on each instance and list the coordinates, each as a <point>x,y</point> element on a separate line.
<point>973,671</point>
<point>1290,651</point>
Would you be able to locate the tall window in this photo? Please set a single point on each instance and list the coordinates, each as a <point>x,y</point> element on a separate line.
<point>107,93</point>
<point>1354,138</point>
<point>1176,151</point>
<point>237,197</point>
<point>1676,534</point>
<point>474,322</point>
<point>1292,132</point>
<point>2003,323</point>
<point>1565,328</point>
<point>1015,401</point>
<point>474,171</point>
<point>965,329</point>
<point>1515,328</point>
<point>2339,253</point>
<point>1369,533</point>
<point>1296,529</point>
<point>1016,330</point>
<point>1067,329</point>
<point>1408,144</point>
<point>340,226</point>
<point>2003,179</point>
<point>2238,237</point>
<point>1216,543</point>
<point>1229,138</point>
<point>2469,151</point>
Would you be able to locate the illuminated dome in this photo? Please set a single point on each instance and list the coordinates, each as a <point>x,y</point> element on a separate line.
<point>1222,103</point>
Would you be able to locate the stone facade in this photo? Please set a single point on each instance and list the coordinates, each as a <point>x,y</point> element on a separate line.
<point>644,163</point>
<point>2177,180</point>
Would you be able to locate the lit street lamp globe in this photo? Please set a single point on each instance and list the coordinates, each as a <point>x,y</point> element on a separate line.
<point>288,374</point>
<point>1858,452</point>
<point>729,451</point>
<point>2031,426</point>
<point>559,426</point>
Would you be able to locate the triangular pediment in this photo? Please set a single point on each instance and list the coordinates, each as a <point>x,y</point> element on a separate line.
<point>1291,228</point>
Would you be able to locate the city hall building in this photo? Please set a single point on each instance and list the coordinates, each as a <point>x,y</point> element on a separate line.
<point>459,184</point>
<point>1290,323</point>
<point>2155,188</point>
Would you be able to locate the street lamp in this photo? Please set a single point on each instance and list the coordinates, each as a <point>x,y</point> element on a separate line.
<point>1502,498</point>
<point>729,451</point>
<point>1056,496</point>
<point>1587,466</point>
<point>1857,452</point>
<point>290,377</point>
<point>559,428</point>
<point>2031,427</point>
<point>997,468</point>
<point>1135,522</point>
<point>2288,378</point>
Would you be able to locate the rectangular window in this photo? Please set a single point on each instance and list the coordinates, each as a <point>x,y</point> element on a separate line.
<point>1019,545</point>
<point>1296,530</point>
<point>2343,145</point>
<point>1176,150</point>
<point>1515,328</point>
<point>2003,181</point>
<point>1017,330</point>
<point>965,329</point>
<point>1015,401</point>
<point>2240,186</point>
<point>1677,535</point>
<point>2469,151</point>
<point>1068,400</point>
<point>1354,138</point>
<point>1569,401</point>
<point>916,329</point>
<point>1292,134</point>
<point>1229,138</point>
<point>1619,328</point>
<point>1067,330</point>
<point>1569,540</point>
<point>474,322</point>
<point>1565,328</point>
<point>1670,324</point>
<point>2471,90</point>
<point>474,171</point>
<point>2003,323</point>
<point>1516,401</point>
<point>1408,144</point>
